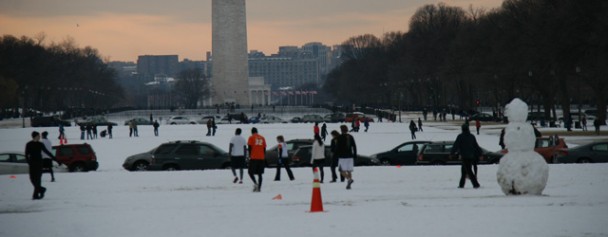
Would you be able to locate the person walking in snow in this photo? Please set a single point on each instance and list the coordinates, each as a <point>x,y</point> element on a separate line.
<point>419,124</point>
<point>477,125</point>
<point>236,151</point>
<point>315,129</point>
<point>334,157</point>
<point>469,151</point>
<point>413,129</point>
<point>155,125</point>
<point>346,150</point>
<point>257,154</point>
<point>283,159</point>
<point>317,159</point>
<point>82,130</point>
<point>324,131</point>
<point>110,131</point>
<point>366,124</point>
<point>208,127</point>
<point>47,162</point>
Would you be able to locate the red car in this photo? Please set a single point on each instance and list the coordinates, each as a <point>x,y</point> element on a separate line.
<point>547,147</point>
<point>357,115</point>
<point>77,157</point>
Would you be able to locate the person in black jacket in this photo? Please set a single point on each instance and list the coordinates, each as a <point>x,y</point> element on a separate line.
<point>334,158</point>
<point>33,155</point>
<point>469,151</point>
<point>346,151</point>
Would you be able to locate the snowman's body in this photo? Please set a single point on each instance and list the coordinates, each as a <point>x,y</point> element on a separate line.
<point>521,170</point>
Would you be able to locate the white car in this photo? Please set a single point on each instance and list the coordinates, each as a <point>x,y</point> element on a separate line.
<point>15,163</point>
<point>270,119</point>
<point>180,120</point>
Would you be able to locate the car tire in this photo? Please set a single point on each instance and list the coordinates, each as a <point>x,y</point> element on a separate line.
<point>173,123</point>
<point>140,166</point>
<point>584,160</point>
<point>171,168</point>
<point>78,167</point>
<point>385,162</point>
<point>192,123</point>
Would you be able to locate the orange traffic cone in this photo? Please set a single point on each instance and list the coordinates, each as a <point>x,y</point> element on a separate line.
<point>278,197</point>
<point>316,205</point>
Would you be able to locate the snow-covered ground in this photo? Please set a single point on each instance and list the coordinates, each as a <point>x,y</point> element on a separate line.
<point>384,201</point>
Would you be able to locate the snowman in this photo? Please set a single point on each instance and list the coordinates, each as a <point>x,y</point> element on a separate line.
<point>521,170</point>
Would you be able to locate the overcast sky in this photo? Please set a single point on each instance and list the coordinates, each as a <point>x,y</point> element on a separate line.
<point>123,29</point>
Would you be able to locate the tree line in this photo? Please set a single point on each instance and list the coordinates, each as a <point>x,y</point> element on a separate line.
<point>547,52</point>
<point>54,77</point>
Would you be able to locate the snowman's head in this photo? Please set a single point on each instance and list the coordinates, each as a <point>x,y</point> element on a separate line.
<point>517,111</point>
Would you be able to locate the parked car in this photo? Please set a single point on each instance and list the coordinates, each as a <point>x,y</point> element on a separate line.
<point>438,153</point>
<point>302,155</point>
<point>139,121</point>
<point>186,155</point>
<point>483,117</point>
<point>77,157</point>
<point>312,118</point>
<point>296,120</point>
<point>547,147</point>
<point>15,163</point>
<point>292,146</point>
<point>95,121</point>
<point>180,120</point>
<point>594,152</point>
<point>271,119</point>
<point>208,117</point>
<point>253,120</point>
<point>357,115</point>
<point>49,121</point>
<point>334,118</point>
<point>404,154</point>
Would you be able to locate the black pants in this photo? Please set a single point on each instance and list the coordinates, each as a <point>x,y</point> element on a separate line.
<point>334,176</point>
<point>466,169</point>
<point>36,178</point>
<point>283,162</point>
<point>156,132</point>
<point>319,164</point>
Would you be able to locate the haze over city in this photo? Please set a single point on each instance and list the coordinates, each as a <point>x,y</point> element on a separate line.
<point>123,30</point>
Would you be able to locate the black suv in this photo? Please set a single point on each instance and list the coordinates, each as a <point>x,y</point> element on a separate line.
<point>438,153</point>
<point>50,121</point>
<point>186,155</point>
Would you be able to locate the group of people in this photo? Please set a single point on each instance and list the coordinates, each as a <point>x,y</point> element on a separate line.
<point>343,150</point>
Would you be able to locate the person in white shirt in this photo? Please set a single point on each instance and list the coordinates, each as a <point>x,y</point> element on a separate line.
<point>237,149</point>
<point>317,158</point>
<point>47,162</point>
<point>283,159</point>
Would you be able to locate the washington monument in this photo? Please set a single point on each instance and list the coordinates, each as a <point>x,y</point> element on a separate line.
<point>229,52</point>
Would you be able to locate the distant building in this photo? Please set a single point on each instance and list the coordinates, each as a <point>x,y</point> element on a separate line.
<point>149,66</point>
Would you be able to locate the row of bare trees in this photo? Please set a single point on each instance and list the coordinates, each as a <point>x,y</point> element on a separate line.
<point>54,77</point>
<point>547,52</point>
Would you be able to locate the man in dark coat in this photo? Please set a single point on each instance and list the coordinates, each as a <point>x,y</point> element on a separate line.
<point>33,155</point>
<point>469,151</point>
